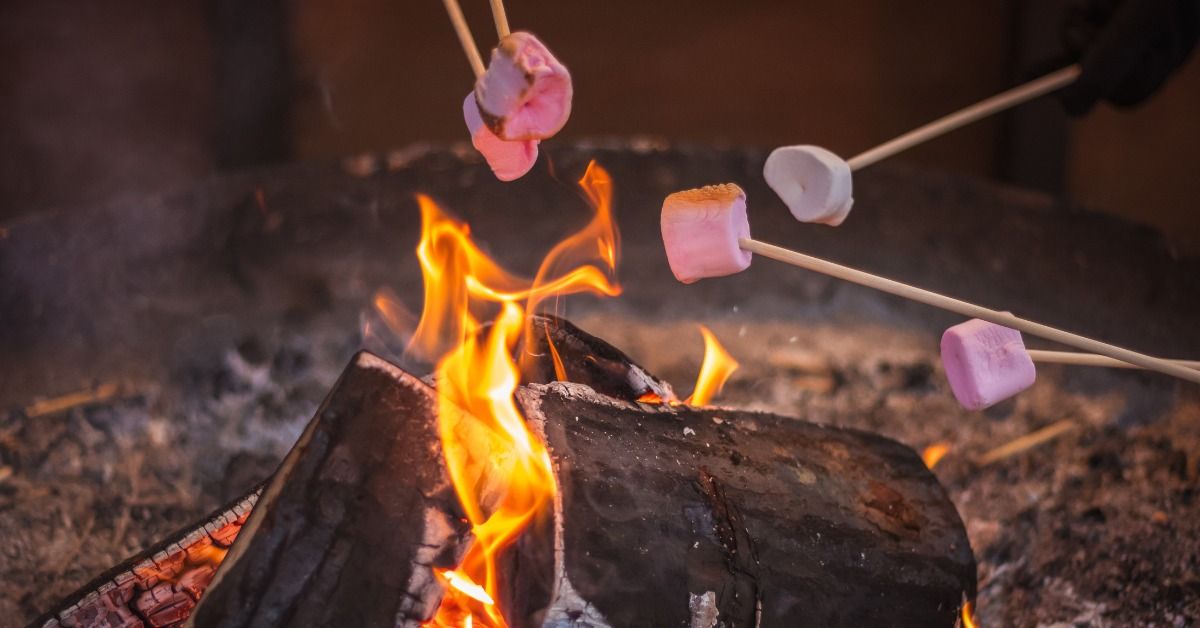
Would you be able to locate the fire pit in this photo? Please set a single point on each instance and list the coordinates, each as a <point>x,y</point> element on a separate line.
<point>205,328</point>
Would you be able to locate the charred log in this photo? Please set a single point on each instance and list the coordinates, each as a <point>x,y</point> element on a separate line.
<point>675,516</point>
<point>160,586</point>
<point>559,351</point>
<point>348,530</point>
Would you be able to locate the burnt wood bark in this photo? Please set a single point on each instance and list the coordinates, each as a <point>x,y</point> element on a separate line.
<point>679,516</point>
<point>348,530</point>
<point>556,344</point>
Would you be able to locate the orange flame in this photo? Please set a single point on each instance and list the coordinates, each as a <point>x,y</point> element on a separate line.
<point>718,365</point>
<point>501,473</point>
<point>968,615</point>
<point>395,316</point>
<point>934,453</point>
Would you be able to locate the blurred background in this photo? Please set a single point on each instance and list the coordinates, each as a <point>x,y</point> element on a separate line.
<point>130,97</point>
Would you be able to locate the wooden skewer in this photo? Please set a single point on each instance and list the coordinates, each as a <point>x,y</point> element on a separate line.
<point>1026,442</point>
<point>464,36</point>
<point>1091,359</point>
<point>969,310</point>
<point>501,18</point>
<point>100,393</point>
<point>963,117</point>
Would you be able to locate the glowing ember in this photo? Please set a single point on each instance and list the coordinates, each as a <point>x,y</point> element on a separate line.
<point>502,475</point>
<point>968,615</point>
<point>650,397</point>
<point>934,453</point>
<point>718,365</point>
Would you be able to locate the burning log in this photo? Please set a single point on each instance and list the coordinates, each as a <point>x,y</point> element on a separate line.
<point>349,529</point>
<point>558,351</point>
<point>160,586</point>
<point>675,516</point>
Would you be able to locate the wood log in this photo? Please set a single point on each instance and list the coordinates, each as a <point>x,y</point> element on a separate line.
<point>349,529</point>
<point>557,350</point>
<point>679,516</point>
<point>160,586</point>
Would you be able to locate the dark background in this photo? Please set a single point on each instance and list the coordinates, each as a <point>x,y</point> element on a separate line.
<point>127,97</point>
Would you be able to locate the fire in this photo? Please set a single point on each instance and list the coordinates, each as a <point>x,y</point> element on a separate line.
<point>968,615</point>
<point>718,365</point>
<point>934,453</point>
<point>502,473</point>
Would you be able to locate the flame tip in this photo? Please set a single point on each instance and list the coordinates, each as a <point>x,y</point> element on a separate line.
<point>715,369</point>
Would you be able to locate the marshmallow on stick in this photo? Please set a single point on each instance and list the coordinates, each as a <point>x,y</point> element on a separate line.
<point>508,160</point>
<point>700,228</point>
<point>986,363</point>
<point>525,94</point>
<point>815,184</point>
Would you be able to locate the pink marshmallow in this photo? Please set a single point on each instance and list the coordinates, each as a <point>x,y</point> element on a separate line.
<point>508,160</point>
<point>525,93</point>
<point>985,363</point>
<point>701,229</point>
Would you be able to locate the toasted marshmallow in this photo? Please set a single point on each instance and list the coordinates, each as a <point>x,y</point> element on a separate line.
<point>701,229</point>
<point>814,183</point>
<point>525,93</point>
<point>986,363</point>
<point>508,160</point>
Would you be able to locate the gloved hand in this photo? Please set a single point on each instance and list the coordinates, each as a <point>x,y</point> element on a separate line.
<point>1127,48</point>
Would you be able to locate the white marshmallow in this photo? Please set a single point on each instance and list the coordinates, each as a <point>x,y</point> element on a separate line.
<point>701,229</point>
<point>814,183</point>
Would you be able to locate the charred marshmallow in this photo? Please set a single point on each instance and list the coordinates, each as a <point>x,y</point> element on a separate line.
<point>985,363</point>
<point>701,229</point>
<point>814,183</point>
<point>525,93</point>
<point>508,160</point>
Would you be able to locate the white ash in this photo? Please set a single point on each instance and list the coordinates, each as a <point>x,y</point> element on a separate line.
<point>704,609</point>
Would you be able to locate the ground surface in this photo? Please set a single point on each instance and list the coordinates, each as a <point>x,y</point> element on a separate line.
<point>226,312</point>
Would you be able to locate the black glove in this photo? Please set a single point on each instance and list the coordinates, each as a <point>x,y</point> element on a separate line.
<point>1127,48</point>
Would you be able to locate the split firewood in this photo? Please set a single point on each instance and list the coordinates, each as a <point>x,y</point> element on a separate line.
<point>350,528</point>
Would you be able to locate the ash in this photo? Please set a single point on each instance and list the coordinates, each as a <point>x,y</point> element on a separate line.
<point>85,489</point>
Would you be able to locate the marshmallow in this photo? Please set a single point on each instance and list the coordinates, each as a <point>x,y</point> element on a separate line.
<point>508,160</point>
<point>985,363</point>
<point>814,183</point>
<point>525,93</point>
<point>701,229</point>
